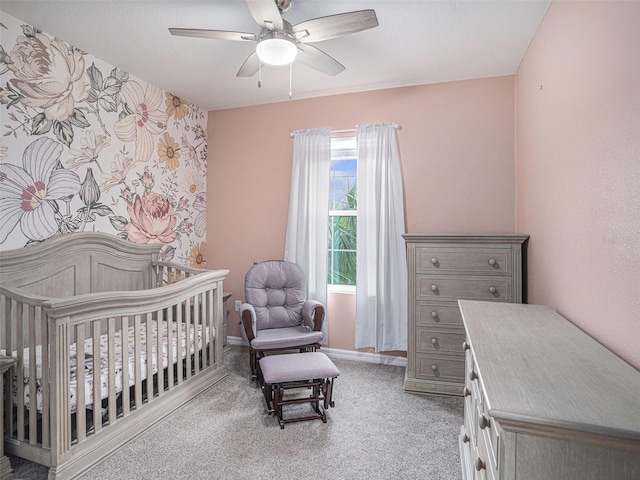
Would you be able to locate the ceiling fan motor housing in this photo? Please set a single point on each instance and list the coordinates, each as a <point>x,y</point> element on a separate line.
<point>277,47</point>
<point>283,5</point>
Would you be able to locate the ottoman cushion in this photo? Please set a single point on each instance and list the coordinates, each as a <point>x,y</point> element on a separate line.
<point>295,367</point>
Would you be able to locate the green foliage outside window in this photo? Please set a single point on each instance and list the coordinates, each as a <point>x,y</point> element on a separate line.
<point>342,241</point>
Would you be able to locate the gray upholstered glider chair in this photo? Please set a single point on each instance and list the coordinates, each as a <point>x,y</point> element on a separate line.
<point>277,314</point>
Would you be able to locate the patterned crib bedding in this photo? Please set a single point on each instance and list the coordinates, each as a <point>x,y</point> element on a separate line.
<point>104,361</point>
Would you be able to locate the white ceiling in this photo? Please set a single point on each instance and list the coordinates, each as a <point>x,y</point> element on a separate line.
<point>417,42</point>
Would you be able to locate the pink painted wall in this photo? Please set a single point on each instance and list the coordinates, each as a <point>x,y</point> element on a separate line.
<point>457,154</point>
<point>578,168</point>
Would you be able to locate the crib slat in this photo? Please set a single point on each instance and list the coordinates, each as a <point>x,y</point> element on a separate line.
<point>136,359</point>
<point>61,416</point>
<point>209,316</point>
<point>112,369</point>
<point>160,351</point>
<point>97,380</point>
<point>9,311</point>
<point>179,342</point>
<point>218,305</point>
<point>170,348</point>
<point>20,366</point>
<point>196,325</point>
<point>149,345</point>
<point>187,329</point>
<point>125,366</point>
<point>6,344</point>
<point>44,341</point>
<point>33,368</point>
<point>158,275</point>
<point>81,415</point>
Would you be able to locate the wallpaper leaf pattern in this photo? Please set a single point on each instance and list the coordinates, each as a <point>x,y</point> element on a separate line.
<point>87,147</point>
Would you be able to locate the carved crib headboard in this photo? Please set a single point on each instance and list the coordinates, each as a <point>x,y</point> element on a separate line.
<point>79,263</point>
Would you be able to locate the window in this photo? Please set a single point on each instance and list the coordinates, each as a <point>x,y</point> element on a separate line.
<point>341,267</point>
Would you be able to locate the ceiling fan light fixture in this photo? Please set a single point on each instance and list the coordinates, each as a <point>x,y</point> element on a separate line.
<point>276,48</point>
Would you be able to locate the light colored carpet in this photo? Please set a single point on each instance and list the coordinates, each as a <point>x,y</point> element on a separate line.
<point>376,431</point>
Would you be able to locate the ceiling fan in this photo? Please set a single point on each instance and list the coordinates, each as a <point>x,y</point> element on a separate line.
<point>280,43</point>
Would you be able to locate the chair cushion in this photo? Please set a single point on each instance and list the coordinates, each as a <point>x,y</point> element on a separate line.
<point>296,367</point>
<point>277,290</point>
<point>288,337</point>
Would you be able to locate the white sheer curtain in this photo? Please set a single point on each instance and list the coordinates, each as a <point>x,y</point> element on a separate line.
<point>381,272</point>
<point>307,226</point>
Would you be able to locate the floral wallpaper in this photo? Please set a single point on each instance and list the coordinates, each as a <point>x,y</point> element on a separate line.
<point>87,147</point>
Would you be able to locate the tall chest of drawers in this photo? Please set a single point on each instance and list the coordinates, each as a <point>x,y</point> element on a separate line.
<point>443,269</point>
<point>543,400</point>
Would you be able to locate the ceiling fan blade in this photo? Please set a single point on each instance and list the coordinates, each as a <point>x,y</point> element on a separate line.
<point>265,13</point>
<point>215,34</point>
<point>250,66</point>
<point>317,59</point>
<point>325,28</point>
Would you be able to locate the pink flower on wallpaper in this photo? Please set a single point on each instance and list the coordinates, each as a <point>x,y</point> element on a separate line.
<point>146,118</point>
<point>49,75</point>
<point>152,219</point>
<point>27,194</point>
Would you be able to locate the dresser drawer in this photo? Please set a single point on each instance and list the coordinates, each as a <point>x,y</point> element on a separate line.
<point>472,261</point>
<point>432,287</point>
<point>491,432</point>
<point>433,314</point>
<point>435,340</point>
<point>466,453</point>
<point>439,367</point>
<point>483,463</point>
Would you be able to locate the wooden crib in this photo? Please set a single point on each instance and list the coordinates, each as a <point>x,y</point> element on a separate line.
<point>108,341</point>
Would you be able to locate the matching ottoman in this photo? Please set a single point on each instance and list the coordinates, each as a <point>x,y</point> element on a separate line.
<point>310,370</point>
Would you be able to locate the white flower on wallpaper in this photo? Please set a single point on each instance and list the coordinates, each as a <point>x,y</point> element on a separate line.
<point>29,195</point>
<point>144,117</point>
<point>87,147</point>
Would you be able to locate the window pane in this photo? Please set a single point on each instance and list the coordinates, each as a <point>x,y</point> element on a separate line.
<point>342,185</point>
<point>342,212</point>
<point>344,271</point>
<point>342,250</point>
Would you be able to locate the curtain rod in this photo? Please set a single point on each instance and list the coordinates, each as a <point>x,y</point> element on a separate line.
<point>349,130</point>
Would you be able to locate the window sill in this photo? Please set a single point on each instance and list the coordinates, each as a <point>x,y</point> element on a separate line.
<point>349,289</point>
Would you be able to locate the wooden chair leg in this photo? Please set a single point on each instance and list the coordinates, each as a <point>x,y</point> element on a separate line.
<point>267,391</point>
<point>252,364</point>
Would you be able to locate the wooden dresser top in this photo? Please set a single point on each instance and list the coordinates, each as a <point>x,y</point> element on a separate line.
<point>538,368</point>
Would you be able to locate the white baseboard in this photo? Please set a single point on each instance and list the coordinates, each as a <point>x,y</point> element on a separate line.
<point>345,354</point>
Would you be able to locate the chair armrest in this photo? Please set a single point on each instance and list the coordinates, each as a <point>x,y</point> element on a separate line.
<point>248,319</point>
<point>313,314</point>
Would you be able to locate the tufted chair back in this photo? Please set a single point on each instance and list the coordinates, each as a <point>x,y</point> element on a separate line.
<point>277,290</point>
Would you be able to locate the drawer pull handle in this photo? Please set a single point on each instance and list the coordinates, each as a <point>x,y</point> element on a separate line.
<point>434,261</point>
<point>484,422</point>
<point>434,314</point>
<point>466,392</point>
<point>492,290</point>
<point>473,375</point>
<point>465,346</point>
<point>465,438</point>
<point>434,367</point>
<point>434,288</point>
<point>434,341</point>
<point>479,464</point>
<point>492,262</point>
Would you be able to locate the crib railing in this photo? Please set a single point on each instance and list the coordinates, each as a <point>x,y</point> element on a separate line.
<point>69,405</point>
<point>24,328</point>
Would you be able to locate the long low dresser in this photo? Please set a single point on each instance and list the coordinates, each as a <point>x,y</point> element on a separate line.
<point>543,400</point>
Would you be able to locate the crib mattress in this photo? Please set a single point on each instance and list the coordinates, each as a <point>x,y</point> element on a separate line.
<point>195,341</point>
